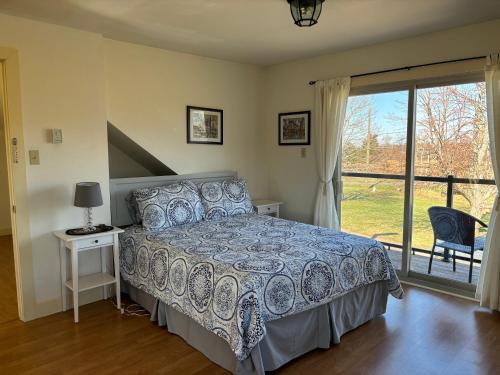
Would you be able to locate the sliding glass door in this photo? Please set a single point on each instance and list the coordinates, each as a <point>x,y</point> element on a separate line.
<point>373,164</point>
<point>452,169</point>
<point>405,151</point>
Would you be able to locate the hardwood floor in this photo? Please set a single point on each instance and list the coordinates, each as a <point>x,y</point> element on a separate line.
<point>426,333</point>
<point>8,298</point>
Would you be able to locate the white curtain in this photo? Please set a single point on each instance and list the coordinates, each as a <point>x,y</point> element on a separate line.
<point>330,104</point>
<point>488,288</point>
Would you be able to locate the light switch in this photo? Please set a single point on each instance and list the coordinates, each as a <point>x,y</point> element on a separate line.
<point>34,157</point>
<point>303,152</point>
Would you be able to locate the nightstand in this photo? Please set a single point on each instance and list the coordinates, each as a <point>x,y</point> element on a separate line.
<point>267,207</point>
<point>78,244</point>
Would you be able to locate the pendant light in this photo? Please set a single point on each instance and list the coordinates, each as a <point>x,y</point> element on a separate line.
<point>305,12</point>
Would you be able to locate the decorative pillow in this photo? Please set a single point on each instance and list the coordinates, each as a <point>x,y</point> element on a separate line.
<point>169,206</point>
<point>225,198</point>
<point>133,209</point>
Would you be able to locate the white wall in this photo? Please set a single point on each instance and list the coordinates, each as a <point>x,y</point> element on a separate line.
<point>147,93</point>
<point>293,179</point>
<point>62,86</point>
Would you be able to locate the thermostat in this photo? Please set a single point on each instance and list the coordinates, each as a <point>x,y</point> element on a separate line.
<point>56,136</point>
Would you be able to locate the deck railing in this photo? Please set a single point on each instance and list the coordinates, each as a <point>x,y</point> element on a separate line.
<point>449,180</point>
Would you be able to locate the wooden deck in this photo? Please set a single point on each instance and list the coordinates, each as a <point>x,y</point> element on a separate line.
<point>420,262</point>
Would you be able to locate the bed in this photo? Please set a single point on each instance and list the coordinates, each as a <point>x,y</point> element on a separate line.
<point>251,292</point>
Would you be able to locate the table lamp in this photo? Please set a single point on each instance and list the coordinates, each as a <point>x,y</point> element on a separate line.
<point>88,195</point>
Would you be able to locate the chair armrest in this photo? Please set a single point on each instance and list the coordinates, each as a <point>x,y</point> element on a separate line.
<point>481,223</point>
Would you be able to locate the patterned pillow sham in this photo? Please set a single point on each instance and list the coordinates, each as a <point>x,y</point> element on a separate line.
<point>168,206</point>
<point>225,198</point>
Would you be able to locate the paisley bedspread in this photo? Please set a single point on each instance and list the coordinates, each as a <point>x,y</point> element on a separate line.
<point>234,274</point>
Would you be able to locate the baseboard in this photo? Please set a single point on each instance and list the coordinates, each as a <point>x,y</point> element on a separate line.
<point>55,306</point>
<point>419,285</point>
<point>5,231</point>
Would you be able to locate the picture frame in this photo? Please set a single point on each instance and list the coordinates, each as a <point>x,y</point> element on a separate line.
<point>204,125</point>
<point>294,128</point>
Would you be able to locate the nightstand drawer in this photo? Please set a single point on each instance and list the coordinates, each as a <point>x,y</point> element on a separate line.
<point>95,241</point>
<point>267,209</point>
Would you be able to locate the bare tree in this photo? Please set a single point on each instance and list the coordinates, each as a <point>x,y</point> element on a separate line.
<point>359,139</point>
<point>452,139</point>
<point>354,129</point>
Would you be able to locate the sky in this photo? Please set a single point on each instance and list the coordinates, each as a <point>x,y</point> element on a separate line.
<point>385,105</point>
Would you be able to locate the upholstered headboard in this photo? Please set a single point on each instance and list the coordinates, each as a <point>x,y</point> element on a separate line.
<point>120,187</point>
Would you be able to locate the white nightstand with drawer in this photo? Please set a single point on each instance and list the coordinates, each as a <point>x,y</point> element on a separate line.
<point>267,207</point>
<point>78,244</point>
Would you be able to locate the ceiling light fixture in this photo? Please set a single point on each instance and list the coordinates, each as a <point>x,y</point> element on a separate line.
<point>305,12</point>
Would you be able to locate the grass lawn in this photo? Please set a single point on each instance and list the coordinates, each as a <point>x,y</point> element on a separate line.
<point>374,207</point>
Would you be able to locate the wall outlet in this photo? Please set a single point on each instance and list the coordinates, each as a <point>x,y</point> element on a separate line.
<point>34,157</point>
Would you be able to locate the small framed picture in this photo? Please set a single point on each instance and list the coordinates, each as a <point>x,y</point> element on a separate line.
<point>294,128</point>
<point>204,125</point>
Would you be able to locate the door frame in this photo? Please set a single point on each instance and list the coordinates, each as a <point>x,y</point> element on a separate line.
<point>18,192</point>
<point>412,85</point>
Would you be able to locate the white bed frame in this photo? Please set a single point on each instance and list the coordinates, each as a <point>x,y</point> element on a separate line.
<point>120,187</point>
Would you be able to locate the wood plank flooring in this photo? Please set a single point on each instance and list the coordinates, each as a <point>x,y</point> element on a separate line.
<point>8,298</point>
<point>426,333</point>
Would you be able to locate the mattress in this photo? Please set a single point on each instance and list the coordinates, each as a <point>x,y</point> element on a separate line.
<point>233,275</point>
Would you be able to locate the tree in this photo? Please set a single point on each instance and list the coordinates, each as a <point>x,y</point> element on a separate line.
<point>452,139</point>
<point>360,145</point>
<point>354,130</point>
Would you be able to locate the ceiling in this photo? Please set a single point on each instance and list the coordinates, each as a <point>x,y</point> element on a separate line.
<point>255,31</point>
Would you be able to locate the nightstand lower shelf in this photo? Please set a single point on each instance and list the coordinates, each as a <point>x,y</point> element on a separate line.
<point>92,281</point>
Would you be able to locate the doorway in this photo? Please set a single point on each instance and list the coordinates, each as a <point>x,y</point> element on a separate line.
<point>8,302</point>
<point>404,150</point>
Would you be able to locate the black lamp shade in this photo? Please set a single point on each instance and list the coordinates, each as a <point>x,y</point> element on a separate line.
<point>88,194</point>
<point>305,12</point>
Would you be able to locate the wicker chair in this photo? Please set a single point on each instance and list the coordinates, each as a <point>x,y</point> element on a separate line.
<point>455,230</point>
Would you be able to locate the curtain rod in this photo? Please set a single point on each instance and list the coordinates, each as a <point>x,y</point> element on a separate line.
<point>411,67</point>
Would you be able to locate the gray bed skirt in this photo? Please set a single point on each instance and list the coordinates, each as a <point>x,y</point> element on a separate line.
<point>287,338</point>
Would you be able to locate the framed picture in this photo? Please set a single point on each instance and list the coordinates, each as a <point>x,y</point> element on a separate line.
<point>294,128</point>
<point>204,125</point>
